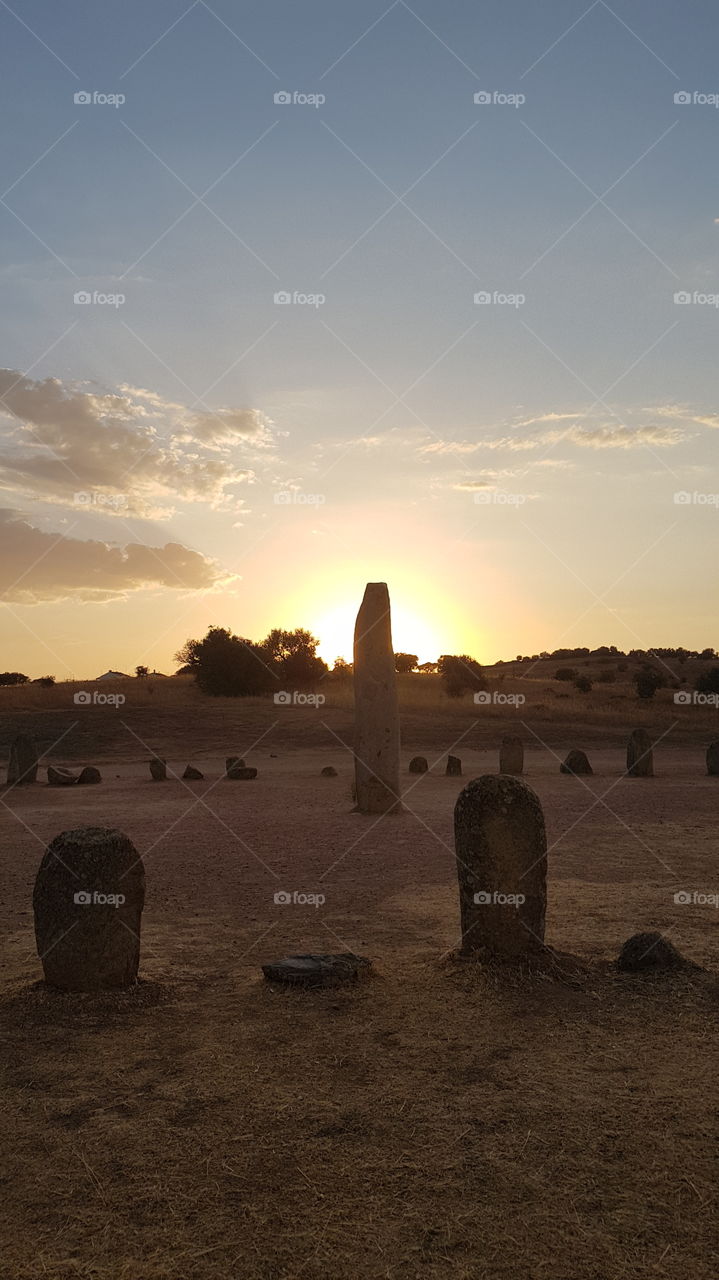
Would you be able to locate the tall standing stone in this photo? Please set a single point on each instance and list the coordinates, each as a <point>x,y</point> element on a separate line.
<point>376,706</point>
<point>640,758</point>
<point>501,850</point>
<point>511,755</point>
<point>88,900</point>
<point>22,765</point>
<point>713,759</point>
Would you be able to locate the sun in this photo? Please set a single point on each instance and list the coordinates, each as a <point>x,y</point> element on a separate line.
<point>410,633</point>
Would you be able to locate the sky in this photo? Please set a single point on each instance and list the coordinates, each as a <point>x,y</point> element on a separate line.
<point>293,298</point>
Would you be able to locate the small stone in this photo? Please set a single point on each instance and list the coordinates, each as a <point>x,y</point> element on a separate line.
<point>454,767</point>
<point>89,776</point>
<point>713,760</point>
<point>158,769</point>
<point>22,765</point>
<point>648,951</point>
<point>242,774</point>
<point>418,764</point>
<point>317,970</point>
<point>329,771</point>
<point>193,774</point>
<point>60,777</point>
<point>234,762</point>
<point>576,763</point>
<point>88,899</point>
<point>640,758</point>
<point>511,756</point>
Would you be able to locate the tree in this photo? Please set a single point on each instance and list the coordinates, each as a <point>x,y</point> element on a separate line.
<point>13,677</point>
<point>342,668</point>
<point>708,681</point>
<point>226,665</point>
<point>189,656</point>
<point>294,655</point>
<point>141,672</point>
<point>46,682</point>
<point>428,668</point>
<point>647,681</point>
<point>460,674</point>
<point>405,662</point>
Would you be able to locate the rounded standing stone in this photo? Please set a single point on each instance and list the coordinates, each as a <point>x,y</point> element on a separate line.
<point>87,902</point>
<point>454,767</point>
<point>648,951</point>
<point>640,757</point>
<point>376,747</point>
<point>576,763</point>
<point>89,776</point>
<point>501,851</point>
<point>418,764</point>
<point>511,755</point>
<point>713,760</point>
<point>23,762</point>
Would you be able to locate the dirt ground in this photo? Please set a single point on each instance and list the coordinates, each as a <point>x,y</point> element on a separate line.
<point>438,1119</point>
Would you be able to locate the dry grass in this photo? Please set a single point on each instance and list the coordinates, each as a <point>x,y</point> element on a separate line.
<point>439,1119</point>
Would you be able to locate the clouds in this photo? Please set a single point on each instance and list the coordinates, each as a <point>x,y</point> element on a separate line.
<point>40,567</point>
<point>60,439</point>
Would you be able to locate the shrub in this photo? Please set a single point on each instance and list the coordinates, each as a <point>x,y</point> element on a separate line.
<point>583,684</point>
<point>565,673</point>
<point>708,681</point>
<point>460,674</point>
<point>647,681</point>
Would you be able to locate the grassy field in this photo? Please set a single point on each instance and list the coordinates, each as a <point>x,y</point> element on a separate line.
<point>439,1119</point>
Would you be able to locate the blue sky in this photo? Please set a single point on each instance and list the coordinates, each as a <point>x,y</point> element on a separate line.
<point>391,406</point>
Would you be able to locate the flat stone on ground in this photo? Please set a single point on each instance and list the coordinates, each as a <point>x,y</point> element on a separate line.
<point>317,969</point>
<point>88,776</point>
<point>60,777</point>
<point>193,774</point>
<point>648,951</point>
